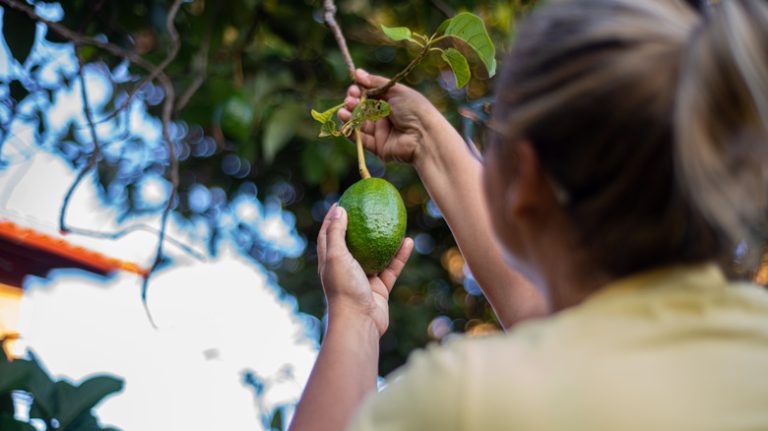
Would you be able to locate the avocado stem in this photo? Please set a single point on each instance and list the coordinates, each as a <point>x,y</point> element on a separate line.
<point>361,155</point>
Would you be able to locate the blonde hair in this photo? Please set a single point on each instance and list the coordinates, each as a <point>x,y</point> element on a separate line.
<point>722,119</point>
<point>651,118</point>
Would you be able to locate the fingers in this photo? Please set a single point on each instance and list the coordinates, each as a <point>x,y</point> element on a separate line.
<point>354,92</point>
<point>344,114</point>
<point>337,229</point>
<point>322,239</point>
<point>369,81</point>
<point>352,99</point>
<point>390,274</point>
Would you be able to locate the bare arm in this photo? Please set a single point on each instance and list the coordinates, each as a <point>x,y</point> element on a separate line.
<point>453,179</point>
<point>345,371</point>
<point>417,133</point>
<point>347,366</point>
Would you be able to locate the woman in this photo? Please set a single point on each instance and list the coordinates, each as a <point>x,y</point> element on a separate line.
<point>629,154</point>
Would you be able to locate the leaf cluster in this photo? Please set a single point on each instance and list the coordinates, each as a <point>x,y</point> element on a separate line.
<point>465,27</point>
<point>60,404</point>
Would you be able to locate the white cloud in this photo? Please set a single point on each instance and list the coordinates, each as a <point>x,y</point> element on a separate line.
<point>216,319</point>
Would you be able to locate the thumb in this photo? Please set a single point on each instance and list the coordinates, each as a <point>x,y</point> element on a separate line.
<point>369,81</point>
<point>337,246</point>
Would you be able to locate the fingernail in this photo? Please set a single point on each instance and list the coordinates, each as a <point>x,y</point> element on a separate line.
<point>337,211</point>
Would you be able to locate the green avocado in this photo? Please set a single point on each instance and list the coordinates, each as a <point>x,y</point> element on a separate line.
<point>376,222</point>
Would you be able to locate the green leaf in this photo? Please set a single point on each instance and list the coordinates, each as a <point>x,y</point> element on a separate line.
<point>280,128</point>
<point>329,129</point>
<point>237,118</point>
<point>19,32</point>
<point>443,26</point>
<point>459,66</point>
<point>470,29</point>
<point>8,423</point>
<point>323,117</point>
<point>371,110</point>
<point>74,401</point>
<point>397,33</point>
<point>27,376</point>
<point>367,110</point>
<point>87,422</point>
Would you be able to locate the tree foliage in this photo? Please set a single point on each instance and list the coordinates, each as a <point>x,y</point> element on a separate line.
<point>57,404</point>
<point>246,76</point>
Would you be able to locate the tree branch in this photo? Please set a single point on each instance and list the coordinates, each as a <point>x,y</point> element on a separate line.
<point>79,39</point>
<point>200,65</point>
<point>155,72</point>
<point>136,228</point>
<point>443,7</point>
<point>93,158</point>
<point>330,20</point>
<point>378,91</point>
<point>168,101</point>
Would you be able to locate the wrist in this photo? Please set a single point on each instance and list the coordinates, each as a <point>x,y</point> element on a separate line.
<point>347,318</point>
<point>442,150</point>
<point>440,144</point>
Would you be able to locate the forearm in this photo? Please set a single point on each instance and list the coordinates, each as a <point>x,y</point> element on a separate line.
<point>345,371</point>
<point>453,179</point>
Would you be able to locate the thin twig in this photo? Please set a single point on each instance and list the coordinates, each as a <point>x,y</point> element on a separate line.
<point>155,72</point>
<point>378,91</point>
<point>237,53</point>
<point>136,228</point>
<point>200,66</point>
<point>167,112</point>
<point>443,7</point>
<point>93,158</point>
<point>175,45</point>
<point>79,39</point>
<point>330,20</point>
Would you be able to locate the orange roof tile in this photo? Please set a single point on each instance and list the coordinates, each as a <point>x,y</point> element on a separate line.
<point>66,252</point>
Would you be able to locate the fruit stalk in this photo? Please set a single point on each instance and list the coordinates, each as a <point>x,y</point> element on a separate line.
<point>361,155</point>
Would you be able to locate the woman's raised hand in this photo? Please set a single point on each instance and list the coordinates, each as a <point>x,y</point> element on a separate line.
<point>349,292</point>
<point>404,134</point>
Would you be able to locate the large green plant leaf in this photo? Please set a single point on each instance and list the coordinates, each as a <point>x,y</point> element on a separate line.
<point>470,29</point>
<point>459,66</point>
<point>87,422</point>
<point>73,401</point>
<point>25,375</point>
<point>281,127</point>
<point>397,33</point>
<point>19,31</point>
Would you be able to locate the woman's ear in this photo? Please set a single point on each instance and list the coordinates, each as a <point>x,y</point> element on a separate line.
<point>529,194</point>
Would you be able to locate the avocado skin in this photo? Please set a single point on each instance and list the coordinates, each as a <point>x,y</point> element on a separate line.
<point>376,222</point>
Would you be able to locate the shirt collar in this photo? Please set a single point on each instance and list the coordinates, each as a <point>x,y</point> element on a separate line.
<point>702,276</point>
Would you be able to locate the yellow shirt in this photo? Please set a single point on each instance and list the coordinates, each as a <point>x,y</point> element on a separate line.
<point>676,349</point>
